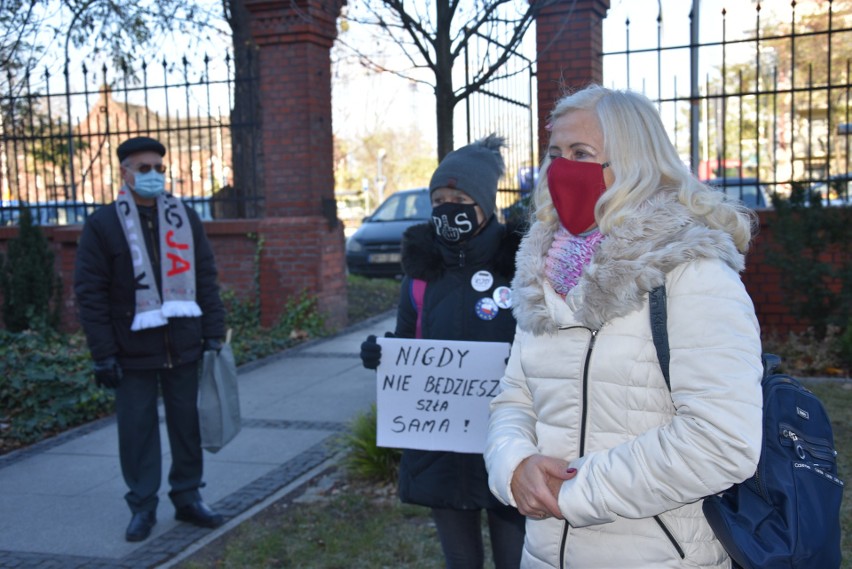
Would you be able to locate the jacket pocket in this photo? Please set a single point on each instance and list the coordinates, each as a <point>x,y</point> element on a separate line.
<point>185,339</point>
<point>670,536</point>
<point>127,340</point>
<point>141,344</point>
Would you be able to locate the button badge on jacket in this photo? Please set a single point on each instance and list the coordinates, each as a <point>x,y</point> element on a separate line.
<point>481,281</point>
<point>503,296</point>
<point>486,308</point>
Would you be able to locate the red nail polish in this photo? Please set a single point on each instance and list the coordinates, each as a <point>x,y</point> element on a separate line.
<point>571,470</point>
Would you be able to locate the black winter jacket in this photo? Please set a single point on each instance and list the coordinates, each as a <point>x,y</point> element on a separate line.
<point>105,291</point>
<point>441,479</point>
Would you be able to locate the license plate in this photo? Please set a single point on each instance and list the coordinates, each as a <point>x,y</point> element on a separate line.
<point>385,258</point>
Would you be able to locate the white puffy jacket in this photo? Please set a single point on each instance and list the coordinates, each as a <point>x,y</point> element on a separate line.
<point>583,384</point>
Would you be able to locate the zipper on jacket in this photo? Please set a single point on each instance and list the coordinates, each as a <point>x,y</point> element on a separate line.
<point>670,536</point>
<point>156,263</point>
<point>461,258</point>
<point>583,416</point>
<point>585,412</point>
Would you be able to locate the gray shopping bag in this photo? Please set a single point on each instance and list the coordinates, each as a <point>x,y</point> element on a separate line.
<point>218,399</point>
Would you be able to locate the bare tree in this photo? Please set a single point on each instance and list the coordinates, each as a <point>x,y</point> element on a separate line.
<point>432,36</point>
<point>129,32</point>
<point>122,31</point>
<point>20,21</point>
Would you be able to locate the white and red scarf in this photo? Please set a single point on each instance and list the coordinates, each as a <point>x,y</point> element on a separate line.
<point>177,262</point>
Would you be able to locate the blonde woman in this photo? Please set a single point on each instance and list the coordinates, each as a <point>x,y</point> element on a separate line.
<point>586,439</point>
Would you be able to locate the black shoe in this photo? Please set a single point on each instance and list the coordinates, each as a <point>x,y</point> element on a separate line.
<point>199,514</point>
<point>140,526</point>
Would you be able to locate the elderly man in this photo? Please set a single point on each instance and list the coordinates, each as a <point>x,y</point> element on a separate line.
<point>146,286</point>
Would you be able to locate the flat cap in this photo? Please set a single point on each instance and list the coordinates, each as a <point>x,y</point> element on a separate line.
<point>139,144</point>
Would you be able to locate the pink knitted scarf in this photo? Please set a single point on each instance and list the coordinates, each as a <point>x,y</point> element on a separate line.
<point>567,256</point>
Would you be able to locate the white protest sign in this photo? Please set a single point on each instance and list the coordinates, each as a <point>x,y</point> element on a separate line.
<point>434,394</point>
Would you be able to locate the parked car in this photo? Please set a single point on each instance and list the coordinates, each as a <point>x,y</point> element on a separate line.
<point>374,250</point>
<point>748,190</point>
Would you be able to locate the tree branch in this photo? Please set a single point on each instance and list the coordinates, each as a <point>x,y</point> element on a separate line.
<point>413,28</point>
<point>488,73</point>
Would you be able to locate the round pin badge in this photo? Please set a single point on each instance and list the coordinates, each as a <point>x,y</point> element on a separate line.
<point>481,281</point>
<point>486,308</point>
<point>503,296</point>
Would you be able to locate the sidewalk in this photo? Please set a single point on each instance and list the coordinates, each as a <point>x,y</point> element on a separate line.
<point>61,501</point>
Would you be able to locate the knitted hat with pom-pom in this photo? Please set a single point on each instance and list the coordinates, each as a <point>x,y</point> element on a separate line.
<point>475,170</point>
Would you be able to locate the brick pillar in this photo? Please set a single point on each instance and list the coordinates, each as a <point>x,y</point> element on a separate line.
<point>569,43</point>
<point>302,240</point>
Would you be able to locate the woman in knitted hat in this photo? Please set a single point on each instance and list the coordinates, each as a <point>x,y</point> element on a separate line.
<point>608,463</point>
<point>456,287</point>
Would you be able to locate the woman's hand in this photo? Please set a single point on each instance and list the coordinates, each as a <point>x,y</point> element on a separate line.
<point>536,484</point>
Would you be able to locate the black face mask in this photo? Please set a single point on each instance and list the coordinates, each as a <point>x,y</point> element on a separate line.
<point>454,222</point>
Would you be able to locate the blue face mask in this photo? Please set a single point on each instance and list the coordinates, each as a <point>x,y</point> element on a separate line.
<point>150,184</point>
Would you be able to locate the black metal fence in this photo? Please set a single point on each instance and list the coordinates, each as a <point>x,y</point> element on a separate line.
<point>506,105</point>
<point>756,100</point>
<point>57,146</point>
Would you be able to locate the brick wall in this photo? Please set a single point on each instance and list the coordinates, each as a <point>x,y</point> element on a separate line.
<point>297,137</point>
<point>763,281</point>
<point>303,247</point>
<point>301,254</point>
<point>235,246</point>
<point>569,41</point>
<point>297,254</point>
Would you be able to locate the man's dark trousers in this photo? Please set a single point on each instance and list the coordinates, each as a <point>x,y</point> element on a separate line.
<point>139,435</point>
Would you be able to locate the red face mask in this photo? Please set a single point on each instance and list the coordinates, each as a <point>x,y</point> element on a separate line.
<point>575,188</point>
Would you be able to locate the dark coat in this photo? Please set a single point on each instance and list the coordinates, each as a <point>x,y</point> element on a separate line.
<point>447,479</point>
<point>105,291</point>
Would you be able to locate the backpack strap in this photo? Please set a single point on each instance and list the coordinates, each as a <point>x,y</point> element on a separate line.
<point>659,329</point>
<point>418,291</point>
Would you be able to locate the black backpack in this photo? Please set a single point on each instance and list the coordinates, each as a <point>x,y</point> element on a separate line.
<point>788,514</point>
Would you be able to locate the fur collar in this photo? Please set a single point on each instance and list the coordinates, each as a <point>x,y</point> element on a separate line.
<point>632,260</point>
<point>423,258</point>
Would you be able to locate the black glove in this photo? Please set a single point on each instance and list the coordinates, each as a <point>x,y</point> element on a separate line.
<point>371,353</point>
<point>212,344</point>
<point>107,372</point>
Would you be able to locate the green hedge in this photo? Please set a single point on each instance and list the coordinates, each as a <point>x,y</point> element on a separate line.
<point>45,386</point>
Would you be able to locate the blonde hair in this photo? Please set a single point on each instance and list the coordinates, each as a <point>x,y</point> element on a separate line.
<point>644,163</point>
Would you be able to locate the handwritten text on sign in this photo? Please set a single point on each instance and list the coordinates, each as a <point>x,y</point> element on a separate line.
<point>434,394</point>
